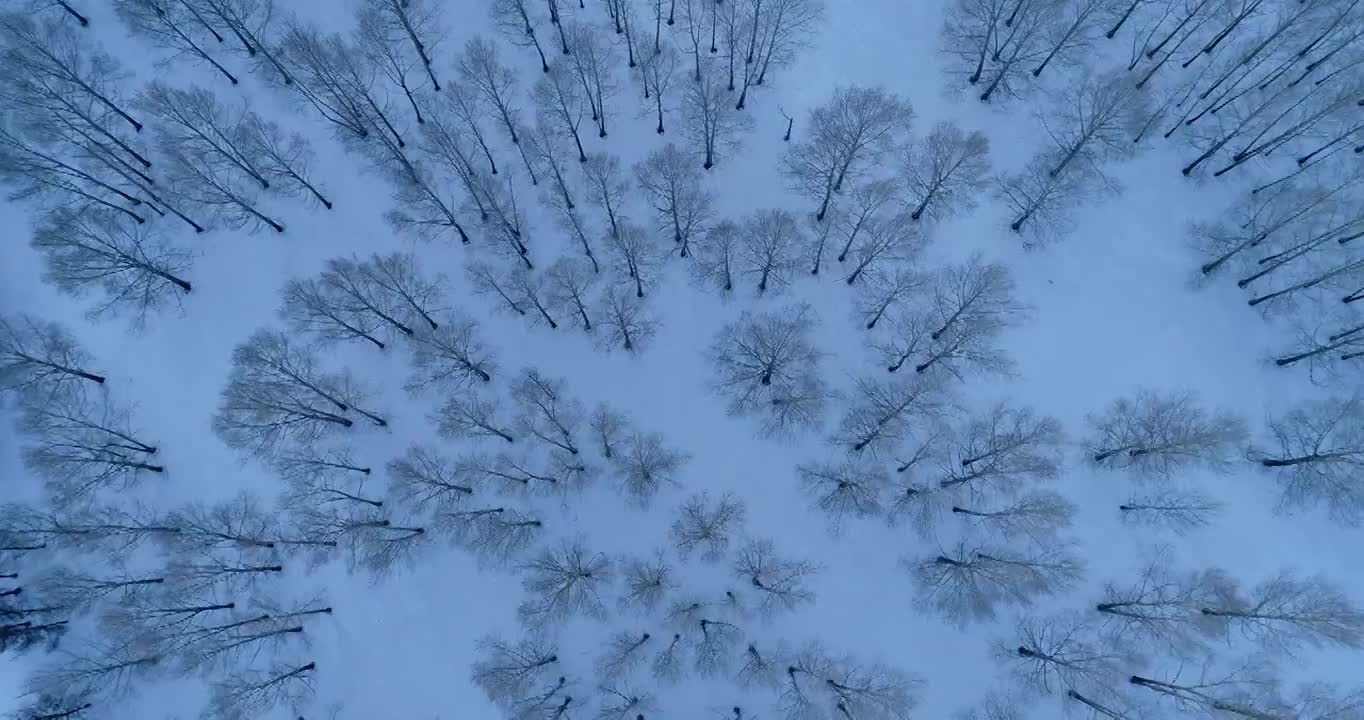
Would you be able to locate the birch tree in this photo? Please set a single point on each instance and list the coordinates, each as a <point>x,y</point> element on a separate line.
<point>769,245</point>
<point>135,270</point>
<point>625,320</point>
<point>708,526</point>
<point>943,173</point>
<point>37,355</point>
<point>281,158</point>
<point>672,186</point>
<point>559,102</point>
<point>1061,651</point>
<point>81,444</point>
<point>451,356</point>
<point>1157,434</point>
<point>855,489</point>
<point>548,414</point>
<point>645,465</point>
<point>1168,507</point>
<point>636,257</point>
<point>517,21</point>
<point>276,395</point>
<point>881,412</point>
<point>1315,451</point>
<point>779,582</point>
<point>562,582</point>
<point>1002,449</point>
<point>855,125</point>
<point>169,27</point>
<point>713,127</point>
<point>716,260</point>
<point>571,282</point>
<point>1287,611</point>
<point>762,358</point>
<point>969,582</point>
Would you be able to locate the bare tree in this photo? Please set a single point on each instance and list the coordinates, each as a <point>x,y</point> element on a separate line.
<point>971,305</point>
<point>884,291</point>
<point>764,361</point>
<point>625,702</point>
<point>281,158</point>
<point>323,475</point>
<point>779,582</point>
<point>473,417</point>
<point>1158,434</point>
<point>481,67</point>
<point>253,692</point>
<point>96,669</point>
<point>1181,511</point>
<point>487,280</point>
<point>275,395</point>
<point>1061,652</point>
<point>713,648</point>
<point>673,189</point>
<point>197,124</point>
<point>1095,119</point>
<point>1037,516</point>
<point>349,300</point>
<point>625,320</point>
<point>644,465</point>
<point>1163,607</point>
<point>591,58</point>
<point>658,71</point>
<point>855,125</point>
<point>547,413</point>
<point>203,182</point>
<point>249,21</point>
<point>495,535</point>
<point>885,241</point>
<point>564,581</point>
<point>607,188</point>
<point>969,582</point>
<point>49,58</point>
<point>508,672</point>
<point>337,81</point>
<point>516,21</point>
<point>769,246</point>
<point>708,526</point>
<point>814,681</point>
<point>713,126</point>
<point>637,257</point>
<point>80,444</point>
<point>559,101</point>
<point>1248,689</point>
<point>169,27</point>
<point>451,356</point>
<point>648,580</point>
<point>109,528</point>
<point>36,172</point>
<point>1042,202</point>
<point>1318,449</point>
<point>133,266</point>
<point>1286,612</point>
<point>1001,450</point>
<point>570,284</point>
<point>37,355</point>
<point>625,651</point>
<point>943,173</point>
<point>882,412</point>
<point>853,489</point>
<point>530,291</point>
<point>74,590</point>
<point>400,36</point>
<point>425,478</point>
<point>716,260</point>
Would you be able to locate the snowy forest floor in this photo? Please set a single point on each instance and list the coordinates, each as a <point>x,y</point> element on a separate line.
<point>1114,309</point>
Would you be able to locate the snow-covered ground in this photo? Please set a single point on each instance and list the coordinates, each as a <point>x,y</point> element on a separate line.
<point>1113,309</point>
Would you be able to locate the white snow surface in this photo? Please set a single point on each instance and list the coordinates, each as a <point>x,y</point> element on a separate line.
<point>1113,311</point>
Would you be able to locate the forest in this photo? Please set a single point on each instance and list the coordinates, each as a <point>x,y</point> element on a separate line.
<point>725,359</point>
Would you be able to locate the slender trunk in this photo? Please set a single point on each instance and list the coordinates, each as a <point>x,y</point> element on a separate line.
<point>85,22</point>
